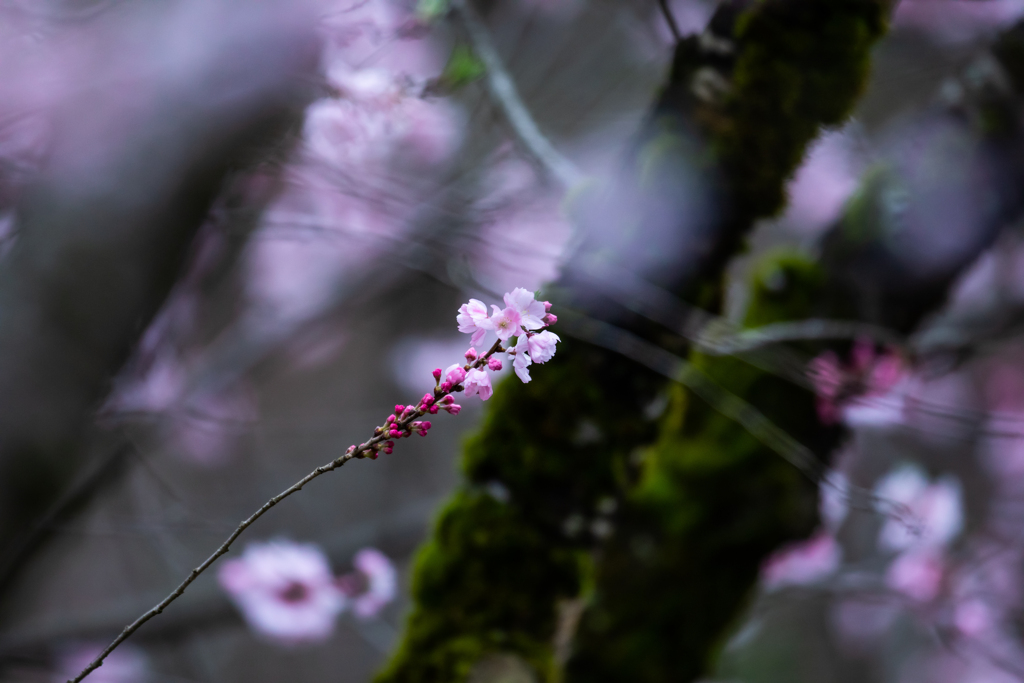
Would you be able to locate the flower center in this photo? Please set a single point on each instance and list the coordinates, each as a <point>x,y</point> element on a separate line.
<point>295,592</point>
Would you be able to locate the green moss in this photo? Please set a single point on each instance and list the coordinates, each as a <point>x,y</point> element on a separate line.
<point>712,503</point>
<point>491,576</point>
<point>698,516</point>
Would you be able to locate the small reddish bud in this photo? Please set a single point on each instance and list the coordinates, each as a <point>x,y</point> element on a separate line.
<point>391,418</point>
<point>446,387</point>
<point>454,409</point>
<point>433,410</point>
<point>448,400</point>
<point>389,450</point>
<point>428,400</point>
<point>550,319</point>
<point>547,306</point>
<point>494,363</point>
<point>437,373</point>
<point>470,354</point>
<point>389,444</point>
<point>426,424</point>
<point>399,408</point>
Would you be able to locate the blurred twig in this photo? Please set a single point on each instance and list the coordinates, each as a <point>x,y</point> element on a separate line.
<point>670,19</point>
<point>505,95</point>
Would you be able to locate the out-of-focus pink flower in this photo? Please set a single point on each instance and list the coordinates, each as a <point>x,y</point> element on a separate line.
<point>372,585</point>
<point>478,382</point>
<point>522,360</point>
<point>507,323</point>
<point>473,319</point>
<point>523,231</point>
<point>821,186</point>
<point>974,617</point>
<point>802,563</point>
<point>917,574</point>
<point>542,346</point>
<point>529,309</point>
<point>126,664</point>
<point>867,375</point>
<point>950,21</point>
<point>936,508</point>
<point>285,591</point>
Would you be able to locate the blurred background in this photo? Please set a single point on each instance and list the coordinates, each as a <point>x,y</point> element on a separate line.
<point>235,235</point>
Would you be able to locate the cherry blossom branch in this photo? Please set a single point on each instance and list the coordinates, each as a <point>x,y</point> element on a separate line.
<point>670,19</point>
<point>521,318</point>
<point>505,95</point>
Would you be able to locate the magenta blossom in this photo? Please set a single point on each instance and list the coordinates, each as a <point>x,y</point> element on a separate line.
<point>285,591</point>
<point>473,319</point>
<point>507,323</point>
<point>478,382</point>
<point>372,585</point>
<point>866,374</point>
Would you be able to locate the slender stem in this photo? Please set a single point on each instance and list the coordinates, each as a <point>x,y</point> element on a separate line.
<point>360,451</point>
<point>670,19</point>
<point>505,95</point>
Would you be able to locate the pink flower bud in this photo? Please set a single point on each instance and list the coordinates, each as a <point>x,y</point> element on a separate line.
<point>433,410</point>
<point>446,387</point>
<point>550,319</point>
<point>428,400</point>
<point>547,306</point>
<point>494,363</point>
<point>437,373</point>
<point>389,450</point>
<point>426,424</point>
<point>471,354</point>
<point>373,455</point>
<point>399,408</point>
<point>391,418</point>
<point>395,434</point>
<point>454,408</point>
<point>455,374</point>
<point>448,400</point>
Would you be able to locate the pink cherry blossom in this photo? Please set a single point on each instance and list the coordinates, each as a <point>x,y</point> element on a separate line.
<point>842,386</point>
<point>802,563</point>
<point>507,323</point>
<point>455,374</point>
<point>542,346</point>
<point>478,382</point>
<point>917,574</point>
<point>522,360</point>
<point>473,319</point>
<point>937,508</point>
<point>529,309</point>
<point>127,664</point>
<point>373,584</point>
<point>285,591</point>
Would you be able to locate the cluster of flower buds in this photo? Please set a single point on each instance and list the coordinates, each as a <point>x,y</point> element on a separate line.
<point>523,317</point>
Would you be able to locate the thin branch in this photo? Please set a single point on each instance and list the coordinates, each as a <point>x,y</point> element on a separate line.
<point>505,95</point>
<point>400,423</point>
<point>670,19</point>
<point>177,593</point>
